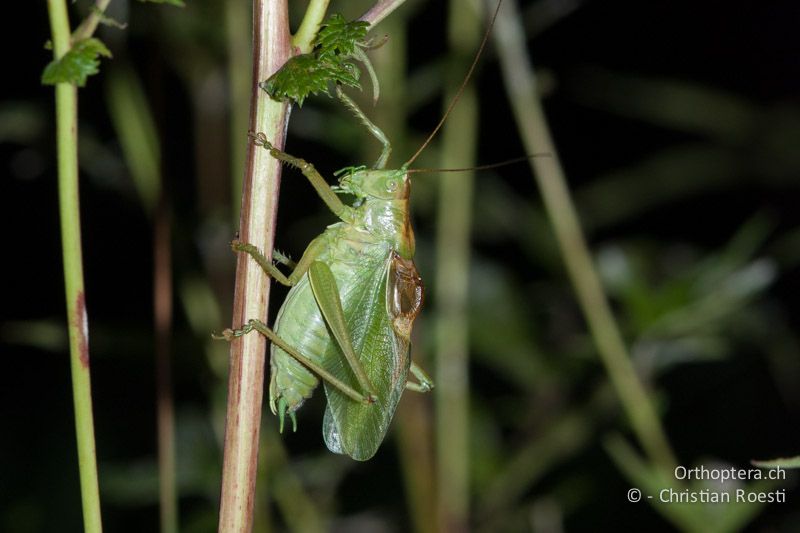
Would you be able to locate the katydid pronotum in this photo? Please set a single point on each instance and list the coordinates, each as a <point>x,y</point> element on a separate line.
<point>354,296</point>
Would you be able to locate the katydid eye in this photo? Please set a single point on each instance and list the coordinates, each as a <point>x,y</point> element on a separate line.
<point>391,185</point>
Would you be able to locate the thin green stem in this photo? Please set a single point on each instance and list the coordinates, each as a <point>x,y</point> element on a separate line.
<point>308,29</point>
<point>459,141</point>
<point>521,87</point>
<point>67,146</point>
<point>271,49</point>
<point>87,28</point>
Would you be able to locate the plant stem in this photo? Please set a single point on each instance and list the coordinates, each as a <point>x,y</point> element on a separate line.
<point>87,28</point>
<point>381,10</point>
<point>299,509</point>
<point>237,16</point>
<point>310,26</point>
<point>459,141</point>
<point>138,136</point>
<point>271,48</point>
<point>521,87</point>
<point>67,146</point>
<point>135,127</point>
<point>165,410</point>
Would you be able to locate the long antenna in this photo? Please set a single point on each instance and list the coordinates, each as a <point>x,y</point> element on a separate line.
<point>481,167</point>
<point>460,89</point>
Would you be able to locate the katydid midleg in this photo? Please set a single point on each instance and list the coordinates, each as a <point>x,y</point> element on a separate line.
<point>354,296</point>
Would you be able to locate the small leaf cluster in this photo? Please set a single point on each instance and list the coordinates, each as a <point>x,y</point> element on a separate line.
<point>82,60</point>
<point>332,60</point>
<point>337,39</point>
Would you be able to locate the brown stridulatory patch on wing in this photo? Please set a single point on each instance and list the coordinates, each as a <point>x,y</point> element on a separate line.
<point>404,294</point>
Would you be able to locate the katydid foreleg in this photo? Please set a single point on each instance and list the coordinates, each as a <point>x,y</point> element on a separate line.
<point>324,190</point>
<point>373,129</point>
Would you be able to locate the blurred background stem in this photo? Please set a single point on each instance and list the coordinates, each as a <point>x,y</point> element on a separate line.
<point>69,206</point>
<point>138,137</point>
<point>300,511</point>
<point>413,420</point>
<point>520,85</point>
<point>162,318</point>
<point>237,18</point>
<point>459,140</point>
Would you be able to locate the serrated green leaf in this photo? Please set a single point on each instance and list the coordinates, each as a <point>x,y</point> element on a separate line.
<point>177,3</point>
<point>338,38</point>
<point>306,74</point>
<point>296,79</point>
<point>79,63</point>
<point>331,61</point>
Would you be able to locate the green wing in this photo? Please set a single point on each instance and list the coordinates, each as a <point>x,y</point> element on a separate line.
<point>350,427</point>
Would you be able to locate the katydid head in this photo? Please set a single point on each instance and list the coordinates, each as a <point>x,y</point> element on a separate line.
<point>382,203</point>
<point>366,183</point>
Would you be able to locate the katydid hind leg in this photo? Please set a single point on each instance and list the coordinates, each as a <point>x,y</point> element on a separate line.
<point>326,293</point>
<point>257,325</point>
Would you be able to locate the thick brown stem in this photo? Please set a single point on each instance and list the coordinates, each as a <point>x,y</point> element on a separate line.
<point>271,48</point>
